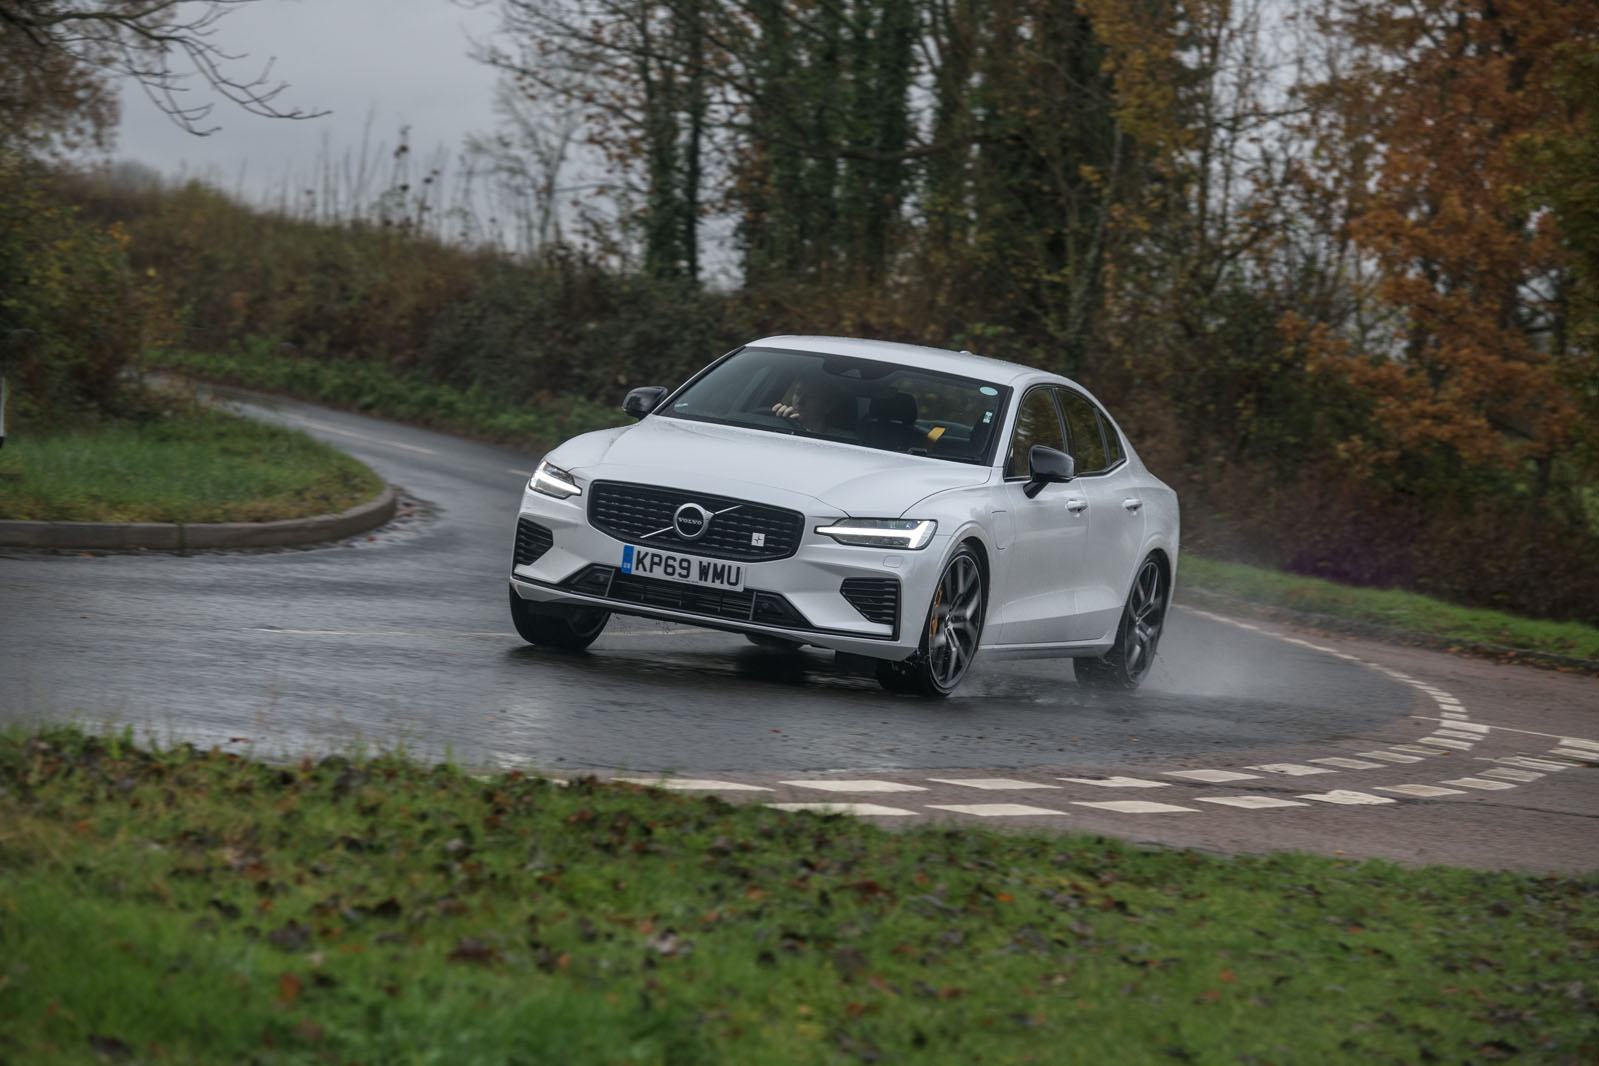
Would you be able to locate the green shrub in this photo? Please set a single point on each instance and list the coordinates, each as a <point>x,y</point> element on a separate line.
<point>73,312</point>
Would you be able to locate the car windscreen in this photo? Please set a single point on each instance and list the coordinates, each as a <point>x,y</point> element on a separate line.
<point>887,406</point>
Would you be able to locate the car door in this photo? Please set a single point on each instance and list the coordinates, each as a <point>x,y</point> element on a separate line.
<point>1046,553</point>
<point>1113,518</point>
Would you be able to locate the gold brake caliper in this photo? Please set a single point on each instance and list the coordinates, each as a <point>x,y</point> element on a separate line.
<point>932,622</point>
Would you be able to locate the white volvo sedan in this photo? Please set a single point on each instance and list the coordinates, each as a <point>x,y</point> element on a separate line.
<point>906,507</point>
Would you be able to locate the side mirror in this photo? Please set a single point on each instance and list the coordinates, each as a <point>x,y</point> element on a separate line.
<point>642,401</point>
<point>1047,466</point>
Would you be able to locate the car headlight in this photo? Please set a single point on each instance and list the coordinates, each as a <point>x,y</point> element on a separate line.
<point>905,533</point>
<point>553,481</point>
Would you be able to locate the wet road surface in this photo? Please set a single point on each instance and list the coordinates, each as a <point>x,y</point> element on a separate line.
<point>402,638</point>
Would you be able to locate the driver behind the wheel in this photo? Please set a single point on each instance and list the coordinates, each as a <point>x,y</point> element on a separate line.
<point>817,404</point>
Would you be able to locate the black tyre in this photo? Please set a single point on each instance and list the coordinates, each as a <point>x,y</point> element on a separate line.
<point>1127,663</point>
<point>552,626</point>
<point>950,636</point>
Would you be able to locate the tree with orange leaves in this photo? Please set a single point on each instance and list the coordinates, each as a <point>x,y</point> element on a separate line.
<point>1451,91</point>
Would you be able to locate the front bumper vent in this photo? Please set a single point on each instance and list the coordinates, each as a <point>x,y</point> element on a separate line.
<point>532,541</point>
<point>877,598</point>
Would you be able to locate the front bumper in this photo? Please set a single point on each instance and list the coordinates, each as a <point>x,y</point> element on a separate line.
<point>857,600</point>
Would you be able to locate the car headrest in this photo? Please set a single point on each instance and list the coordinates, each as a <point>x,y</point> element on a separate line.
<point>895,407</point>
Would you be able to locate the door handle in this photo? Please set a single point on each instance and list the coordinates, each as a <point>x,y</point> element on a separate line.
<point>1076,505</point>
<point>1132,503</point>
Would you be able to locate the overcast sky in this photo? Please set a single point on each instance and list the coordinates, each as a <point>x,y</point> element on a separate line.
<point>397,62</point>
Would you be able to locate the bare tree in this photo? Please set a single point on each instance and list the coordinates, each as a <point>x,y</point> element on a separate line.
<point>524,159</point>
<point>166,46</point>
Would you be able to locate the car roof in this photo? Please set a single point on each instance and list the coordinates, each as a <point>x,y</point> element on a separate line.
<point>964,364</point>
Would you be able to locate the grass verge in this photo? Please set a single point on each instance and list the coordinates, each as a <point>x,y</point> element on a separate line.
<point>190,906</point>
<point>1388,607</point>
<point>190,465</point>
<point>533,422</point>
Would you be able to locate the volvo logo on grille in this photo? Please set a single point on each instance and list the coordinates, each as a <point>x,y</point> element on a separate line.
<point>691,521</point>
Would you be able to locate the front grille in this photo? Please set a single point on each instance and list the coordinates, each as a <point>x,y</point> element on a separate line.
<point>749,605</point>
<point>642,514</point>
<point>532,541</point>
<point>877,598</point>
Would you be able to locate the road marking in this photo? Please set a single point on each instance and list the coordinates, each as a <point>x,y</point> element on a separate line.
<point>692,784</point>
<point>1416,749</point>
<point>1421,791</point>
<point>1577,753</point>
<point>1134,806</point>
<point>1117,782</point>
<point>1347,797</point>
<point>996,784</point>
<point>1578,742</point>
<point>1391,756</point>
<point>1449,742</point>
<point>1348,764</point>
<point>1507,774</point>
<point>1456,734</point>
<point>324,427</point>
<point>1536,764</point>
<point>861,809</point>
<point>995,810</point>
<point>1251,803</point>
<point>1499,729</point>
<point>857,786</point>
<point>1479,782</point>
<point>1292,769</point>
<point>1213,777</point>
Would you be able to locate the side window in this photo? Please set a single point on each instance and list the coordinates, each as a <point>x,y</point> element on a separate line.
<point>1087,439</point>
<point>1037,422</point>
<point>1113,443</point>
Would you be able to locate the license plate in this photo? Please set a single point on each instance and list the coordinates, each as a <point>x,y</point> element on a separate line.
<point>687,569</point>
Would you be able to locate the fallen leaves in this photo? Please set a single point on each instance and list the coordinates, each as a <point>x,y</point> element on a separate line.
<point>291,936</point>
<point>470,949</point>
<point>668,944</point>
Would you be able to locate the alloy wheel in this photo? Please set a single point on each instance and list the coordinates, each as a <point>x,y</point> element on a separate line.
<point>955,623</point>
<point>1146,616</point>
